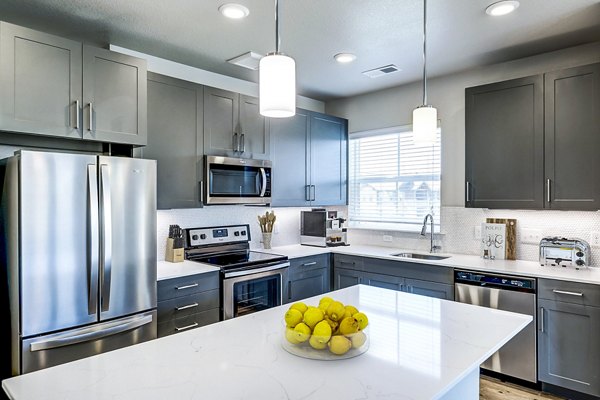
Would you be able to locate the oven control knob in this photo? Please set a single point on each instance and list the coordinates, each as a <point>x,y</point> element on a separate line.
<point>236,233</point>
<point>194,237</point>
<point>243,233</point>
<point>579,254</point>
<point>579,262</point>
<point>203,236</point>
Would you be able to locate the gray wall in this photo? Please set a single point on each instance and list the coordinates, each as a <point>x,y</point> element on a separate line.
<point>393,107</point>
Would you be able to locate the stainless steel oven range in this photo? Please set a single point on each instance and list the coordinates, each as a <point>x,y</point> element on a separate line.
<point>250,280</point>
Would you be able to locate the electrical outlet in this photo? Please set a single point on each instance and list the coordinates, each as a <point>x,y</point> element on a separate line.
<point>387,238</point>
<point>477,232</point>
<point>595,238</point>
<point>531,236</point>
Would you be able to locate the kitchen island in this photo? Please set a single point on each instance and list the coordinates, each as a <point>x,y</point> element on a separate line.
<point>420,348</point>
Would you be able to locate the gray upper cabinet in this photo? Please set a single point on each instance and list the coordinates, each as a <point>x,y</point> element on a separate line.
<point>291,159</point>
<point>505,144</point>
<point>40,83</point>
<point>57,87</point>
<point>572,138</point>
<point>319,142</point>
<point>233,126</point>
<point>114,96</point>
<point>175,140</point>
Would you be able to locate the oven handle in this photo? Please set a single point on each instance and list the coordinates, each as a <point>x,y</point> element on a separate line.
<point>248,272</point>
<point>263,174</point>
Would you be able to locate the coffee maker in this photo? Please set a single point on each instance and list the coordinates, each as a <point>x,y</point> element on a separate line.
<point>322,228</point>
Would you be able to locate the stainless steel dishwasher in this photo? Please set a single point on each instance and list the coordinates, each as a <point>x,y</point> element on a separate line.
<point>517,358</point>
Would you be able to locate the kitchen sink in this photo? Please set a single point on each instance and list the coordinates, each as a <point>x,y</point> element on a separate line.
<point>420,256</point>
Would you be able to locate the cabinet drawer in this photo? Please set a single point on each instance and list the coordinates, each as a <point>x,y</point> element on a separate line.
<point>309,263</point>
<point>176,325</point>
<point>187,305</point>
<point>425,272</point>
<point>184,286</point>
<point>349,262</point>
<point>569,292</point>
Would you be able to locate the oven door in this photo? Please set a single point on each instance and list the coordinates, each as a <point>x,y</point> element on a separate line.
<point>237,181</point>
<point>253,290</point>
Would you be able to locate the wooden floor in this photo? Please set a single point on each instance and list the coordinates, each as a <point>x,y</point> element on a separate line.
<point>493,389</point>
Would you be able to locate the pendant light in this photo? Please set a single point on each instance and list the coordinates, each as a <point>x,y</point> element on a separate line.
<point>424,116</point>
<point>277,80</point>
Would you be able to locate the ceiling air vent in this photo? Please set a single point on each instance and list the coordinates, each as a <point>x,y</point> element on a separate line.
<point>381,71</point>
<point>248,60</point>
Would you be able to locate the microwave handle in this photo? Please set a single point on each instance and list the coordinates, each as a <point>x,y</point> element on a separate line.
<point>263,189</point>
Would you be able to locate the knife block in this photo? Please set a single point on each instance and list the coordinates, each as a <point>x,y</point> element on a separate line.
<point>173,255</point>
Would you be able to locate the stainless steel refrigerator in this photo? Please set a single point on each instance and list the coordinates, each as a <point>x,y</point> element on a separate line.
<point>79,235</point>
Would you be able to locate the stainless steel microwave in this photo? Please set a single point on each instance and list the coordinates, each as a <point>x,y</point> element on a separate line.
<point>237,180</point>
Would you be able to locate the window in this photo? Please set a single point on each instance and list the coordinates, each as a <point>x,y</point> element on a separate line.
<point>394,183</point>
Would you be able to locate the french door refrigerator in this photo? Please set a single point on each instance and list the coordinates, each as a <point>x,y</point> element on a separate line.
<point>80,252</point>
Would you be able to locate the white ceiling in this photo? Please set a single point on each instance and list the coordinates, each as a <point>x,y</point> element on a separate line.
<point>379,32</point>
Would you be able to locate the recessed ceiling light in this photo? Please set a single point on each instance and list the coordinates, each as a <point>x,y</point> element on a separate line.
<point>502,8</point>
<point>234,11</point>
<point>344,58</point>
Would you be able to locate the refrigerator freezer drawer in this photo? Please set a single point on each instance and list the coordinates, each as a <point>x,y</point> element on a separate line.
<point>58,348</point>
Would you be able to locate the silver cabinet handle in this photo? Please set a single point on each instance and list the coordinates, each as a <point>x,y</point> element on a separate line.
<point>307,192</point>
<point>309,264</point>
<point>76,114</point>
<point>542,318</point>
<point>91,127</point>
<point>568,293</point>
<point>201,189</point>
<point>236,142</point>
<point>548,190</point>
<point>186,307</point>
<point>183,328</point>
<point>106,236</point>
<point>314,192</point>
<point>243,143</point>
<point>289,290</point>
<point>468,197</point>
<point>186,286</point>
<point>94,242</point>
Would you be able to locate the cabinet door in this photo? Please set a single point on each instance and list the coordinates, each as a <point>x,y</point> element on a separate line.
<point>305,284</point>
<point>221,116</point>
<point>572,138</point>
<point>114,95</point>
<point>175,141</point>
<point>430,289</point>
<point>328,158</point>
<point>344,278</point>
<point>253,130</point>
<point>382,281</point>
<point>40,83</point>
<point>290,157</point>
<point>505,144</point>
<point>568,346</point>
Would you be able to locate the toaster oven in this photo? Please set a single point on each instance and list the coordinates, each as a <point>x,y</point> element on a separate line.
<point>564,252</point>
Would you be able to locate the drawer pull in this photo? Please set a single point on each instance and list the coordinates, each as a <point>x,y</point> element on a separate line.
<point>186,286</point>
<point>308,264</point>
<point>183,328</point>
<point>569,293</point>
<point>186,307</point>
<point>347,262</point>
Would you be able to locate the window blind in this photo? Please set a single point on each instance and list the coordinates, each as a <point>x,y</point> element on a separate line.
<point>394,182</point>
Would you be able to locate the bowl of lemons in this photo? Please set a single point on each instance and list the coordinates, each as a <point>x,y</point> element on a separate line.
<point>329,331</point>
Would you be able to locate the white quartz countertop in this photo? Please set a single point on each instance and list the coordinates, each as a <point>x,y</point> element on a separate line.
<point>511,267</point>
<point>168,270</point>
<point>420,348</point>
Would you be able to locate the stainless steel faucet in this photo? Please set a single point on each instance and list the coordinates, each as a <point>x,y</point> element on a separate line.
<point>432,248</point>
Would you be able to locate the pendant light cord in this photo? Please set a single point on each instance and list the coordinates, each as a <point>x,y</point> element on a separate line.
<point>424,52</point>
<point>277,39</point>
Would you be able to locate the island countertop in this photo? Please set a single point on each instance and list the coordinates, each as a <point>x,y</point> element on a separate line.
<point>420,348</point>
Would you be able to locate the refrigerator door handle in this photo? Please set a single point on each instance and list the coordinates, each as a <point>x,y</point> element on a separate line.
<point>93,240</point>
<point>106,236</point>
<point>91,334</point>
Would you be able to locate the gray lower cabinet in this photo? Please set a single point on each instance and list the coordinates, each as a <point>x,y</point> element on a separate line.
<point>58,87</point>
<point>344,277</point>
<point>308,276</point>
<point>233,126</point>
<point>430,289</point>
<point>568,345</point>
<point>317,142</point>
<point>175,140</point>
<point>188,302</point>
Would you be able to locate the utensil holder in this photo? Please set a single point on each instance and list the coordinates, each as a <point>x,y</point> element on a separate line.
<point>173,255</point>
<point>267,240</point>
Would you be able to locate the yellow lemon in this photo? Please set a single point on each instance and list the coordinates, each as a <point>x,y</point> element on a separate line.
<point>322,332</point>
<point>358,339</point>
<point>325,300</point>
<point>348,326</point>
<point>333,324</point>
<point>339,345</point>
<point>293,317</point>
<point>316,344</point>
<point>336,311</point>
<point>350,311</point>
<point>362,319</point>
<point>301,332</point>
<point>313,316</point>
<point>301,307</point>
<point>290,335</point>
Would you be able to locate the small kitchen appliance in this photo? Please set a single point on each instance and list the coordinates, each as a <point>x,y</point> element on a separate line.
<point>322,228</point>
<point>250,280</point>
<point>237,180</point>
<point>556,251</point>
